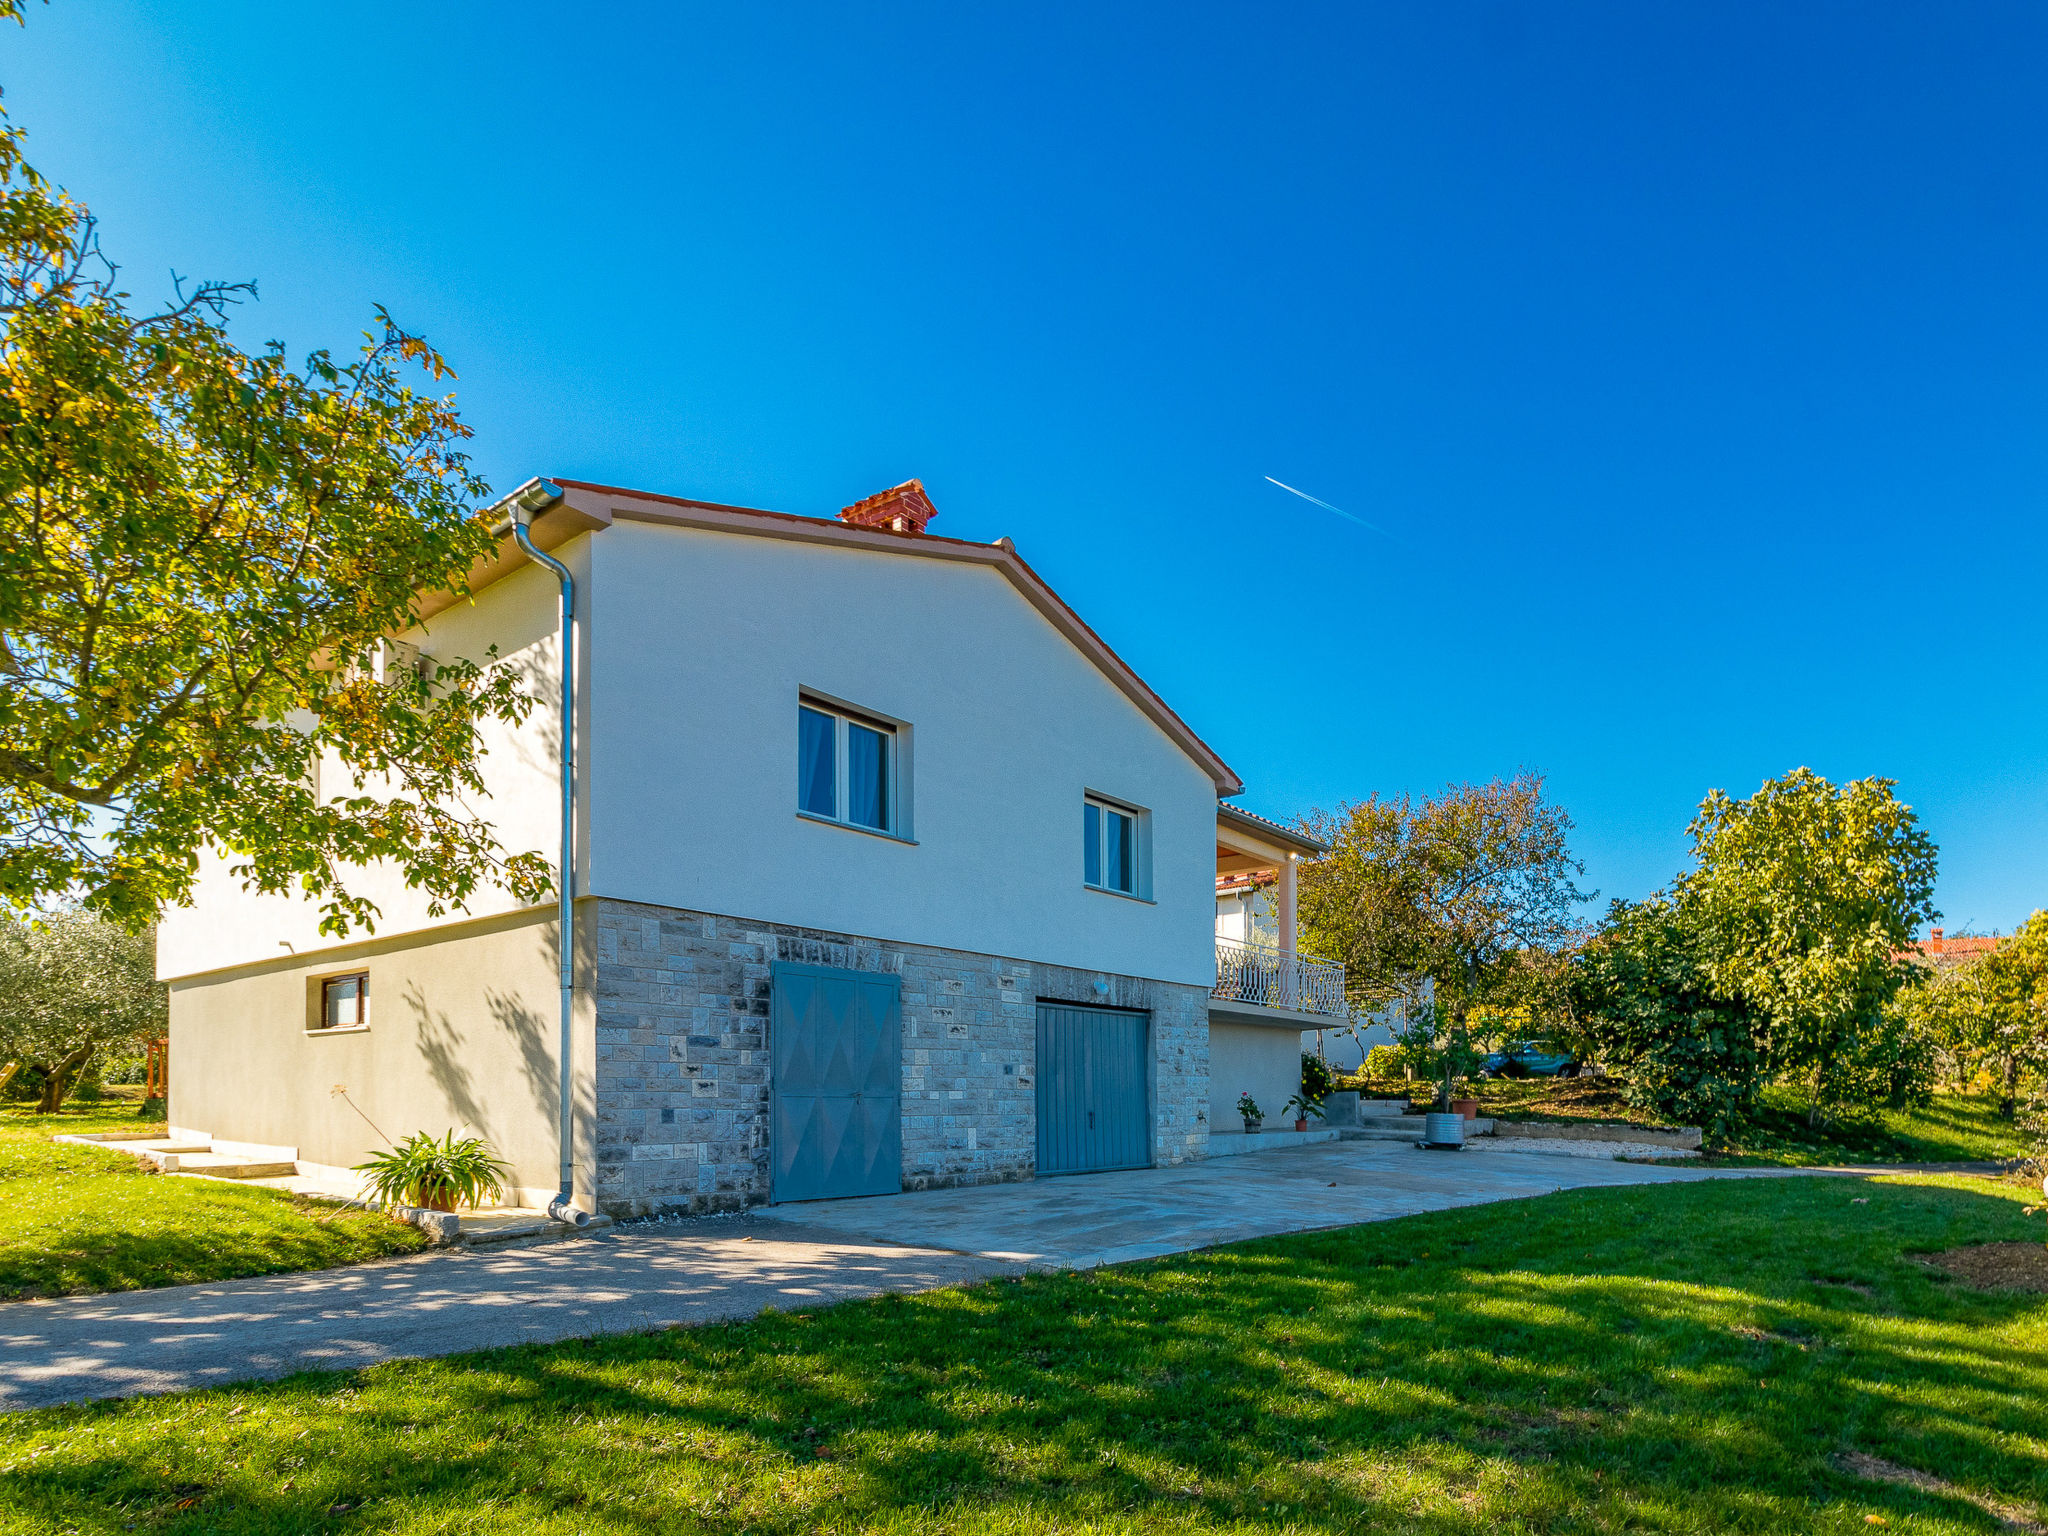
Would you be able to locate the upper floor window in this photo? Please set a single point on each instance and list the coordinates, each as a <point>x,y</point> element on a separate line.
<point>847,767</point>
<point>1114,847</point>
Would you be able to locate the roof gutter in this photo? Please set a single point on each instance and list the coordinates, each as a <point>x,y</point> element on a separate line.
<point>519,510</point>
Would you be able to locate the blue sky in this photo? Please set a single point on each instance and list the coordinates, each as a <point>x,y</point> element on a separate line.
<point>1690,355</point>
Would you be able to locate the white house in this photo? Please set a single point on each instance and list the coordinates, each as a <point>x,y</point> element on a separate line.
<point>887,873</point>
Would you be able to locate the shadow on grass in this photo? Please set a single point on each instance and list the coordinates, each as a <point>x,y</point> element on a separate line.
<point>1685,1357</point>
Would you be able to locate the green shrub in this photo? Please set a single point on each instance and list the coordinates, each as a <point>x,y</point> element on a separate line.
<point>1316,1079</point>
<point>1689,1054</point>
<point>1384,1061</point>
<point>439,1175</point>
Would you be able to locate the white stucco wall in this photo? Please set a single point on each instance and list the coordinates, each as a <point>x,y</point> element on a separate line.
<point>701,643</point>
<point>1253,1058</point>
<point>227,926</point>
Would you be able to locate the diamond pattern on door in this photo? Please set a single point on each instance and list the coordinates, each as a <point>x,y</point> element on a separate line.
<point>836,1041</point>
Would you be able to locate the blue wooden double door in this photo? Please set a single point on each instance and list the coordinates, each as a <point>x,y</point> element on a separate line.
<point>836,1046</point>
<point>1093,1089</point>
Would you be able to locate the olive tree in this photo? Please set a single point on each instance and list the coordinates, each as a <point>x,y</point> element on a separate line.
<point>1464,887</point>
<point>71,986</point>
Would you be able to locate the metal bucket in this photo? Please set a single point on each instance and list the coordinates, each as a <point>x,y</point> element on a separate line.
<point>1443,1130</point>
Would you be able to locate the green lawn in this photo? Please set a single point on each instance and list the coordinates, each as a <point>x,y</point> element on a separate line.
<point>1686,1358</point>
<point>82,1219</point>
<point>1955,1128</point>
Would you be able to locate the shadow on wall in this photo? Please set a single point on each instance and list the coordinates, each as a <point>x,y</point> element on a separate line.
<point>449,1049</point>
<point>539,670</point>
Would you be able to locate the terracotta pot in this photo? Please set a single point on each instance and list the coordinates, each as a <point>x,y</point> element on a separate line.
<point>1469,1108</point>
<point>1301,1124</point>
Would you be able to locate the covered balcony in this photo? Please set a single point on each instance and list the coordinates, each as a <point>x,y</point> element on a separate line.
<point>1261,979</point>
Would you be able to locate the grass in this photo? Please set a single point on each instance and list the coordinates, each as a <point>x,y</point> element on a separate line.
<point>1688,1358</point>
<point>78,1218</point>
<point>1954,1128</point>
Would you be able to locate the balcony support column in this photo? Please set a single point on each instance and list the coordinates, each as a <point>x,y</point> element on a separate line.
<point>1284,918</point>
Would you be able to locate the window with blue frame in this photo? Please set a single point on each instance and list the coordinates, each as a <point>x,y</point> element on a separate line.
<point>846,768</point>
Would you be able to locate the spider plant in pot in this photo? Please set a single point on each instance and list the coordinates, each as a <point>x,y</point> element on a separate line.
<point>440,1175</point>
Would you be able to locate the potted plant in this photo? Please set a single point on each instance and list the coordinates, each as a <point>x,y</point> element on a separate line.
<point>1253,1116</point>
<point>437,1175</point>
<point>1301,1108</point>
<point>1453,1059</point>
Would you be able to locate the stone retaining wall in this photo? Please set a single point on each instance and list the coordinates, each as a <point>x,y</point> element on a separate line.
<point>1686,1137</point>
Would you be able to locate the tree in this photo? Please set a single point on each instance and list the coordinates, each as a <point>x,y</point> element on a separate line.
<point>1806,896</point>
<point>72,985</point>
<point>1642,996</point>
<point>1464,887</point>
<point>1990,1013</point>
<point>202,553</point>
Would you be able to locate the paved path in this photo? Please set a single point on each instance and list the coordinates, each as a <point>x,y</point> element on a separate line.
<point>442,1303</point>
<point>660,1274</point>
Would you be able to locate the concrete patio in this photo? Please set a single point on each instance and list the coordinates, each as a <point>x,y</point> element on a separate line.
<point>1112,1218</point>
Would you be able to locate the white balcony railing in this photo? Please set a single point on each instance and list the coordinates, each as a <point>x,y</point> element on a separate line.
<point>1254,973</point>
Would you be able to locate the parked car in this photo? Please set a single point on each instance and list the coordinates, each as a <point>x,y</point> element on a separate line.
<point>1525,1058</point>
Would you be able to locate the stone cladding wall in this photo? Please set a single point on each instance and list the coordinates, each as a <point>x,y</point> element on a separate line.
<point>683,1056</point>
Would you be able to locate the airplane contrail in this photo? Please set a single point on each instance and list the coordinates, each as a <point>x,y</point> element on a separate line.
<point>1304,495</point>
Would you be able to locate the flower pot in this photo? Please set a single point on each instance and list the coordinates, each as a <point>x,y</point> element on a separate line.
<point>1251,1127</point>
<point>1440,1130</point>
<point>1301,1124</point>
<point>1467,1108</point>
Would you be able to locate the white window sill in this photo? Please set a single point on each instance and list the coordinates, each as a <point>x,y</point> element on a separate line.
<point>854,826</point>
<point>339,1029</point>
<point>1105,890</point>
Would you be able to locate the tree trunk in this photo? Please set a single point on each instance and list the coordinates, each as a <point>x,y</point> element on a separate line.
<point>2009,1101</point>
<point>1813,1099</point>
<point>58,1081</point>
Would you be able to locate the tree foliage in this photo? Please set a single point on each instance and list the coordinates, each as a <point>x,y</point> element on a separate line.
<point>1643,997</point>
<point>1457,886</point>
<point>1988,1014</point>
<point>1805,897</point>
<point>71,986</point>
<point>204,549</point>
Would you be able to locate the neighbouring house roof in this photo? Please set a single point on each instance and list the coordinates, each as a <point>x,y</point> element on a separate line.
<point>1271,831</point>
<point>584,507</point>
<point>1937,949</point>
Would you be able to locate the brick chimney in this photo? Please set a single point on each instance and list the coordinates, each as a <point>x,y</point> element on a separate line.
<point>902,508</point>
<point>1934,942</point>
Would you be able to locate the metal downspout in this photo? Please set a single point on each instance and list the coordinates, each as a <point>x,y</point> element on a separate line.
<point>526,501</point>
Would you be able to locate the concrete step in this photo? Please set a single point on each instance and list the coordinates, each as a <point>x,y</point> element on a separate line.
<point>1408,1129</point>
<point>220,1165</point>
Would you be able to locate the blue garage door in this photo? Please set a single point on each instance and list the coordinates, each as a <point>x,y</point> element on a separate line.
<point>837,1047</point>
<point>1091,1089</point>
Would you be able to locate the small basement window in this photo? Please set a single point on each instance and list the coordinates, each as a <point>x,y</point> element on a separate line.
<point>848,768</point>
<point>345,1002</point>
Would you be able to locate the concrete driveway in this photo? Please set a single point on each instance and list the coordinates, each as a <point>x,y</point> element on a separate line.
<point>661,1274</point>
<point>1112,1218</point>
